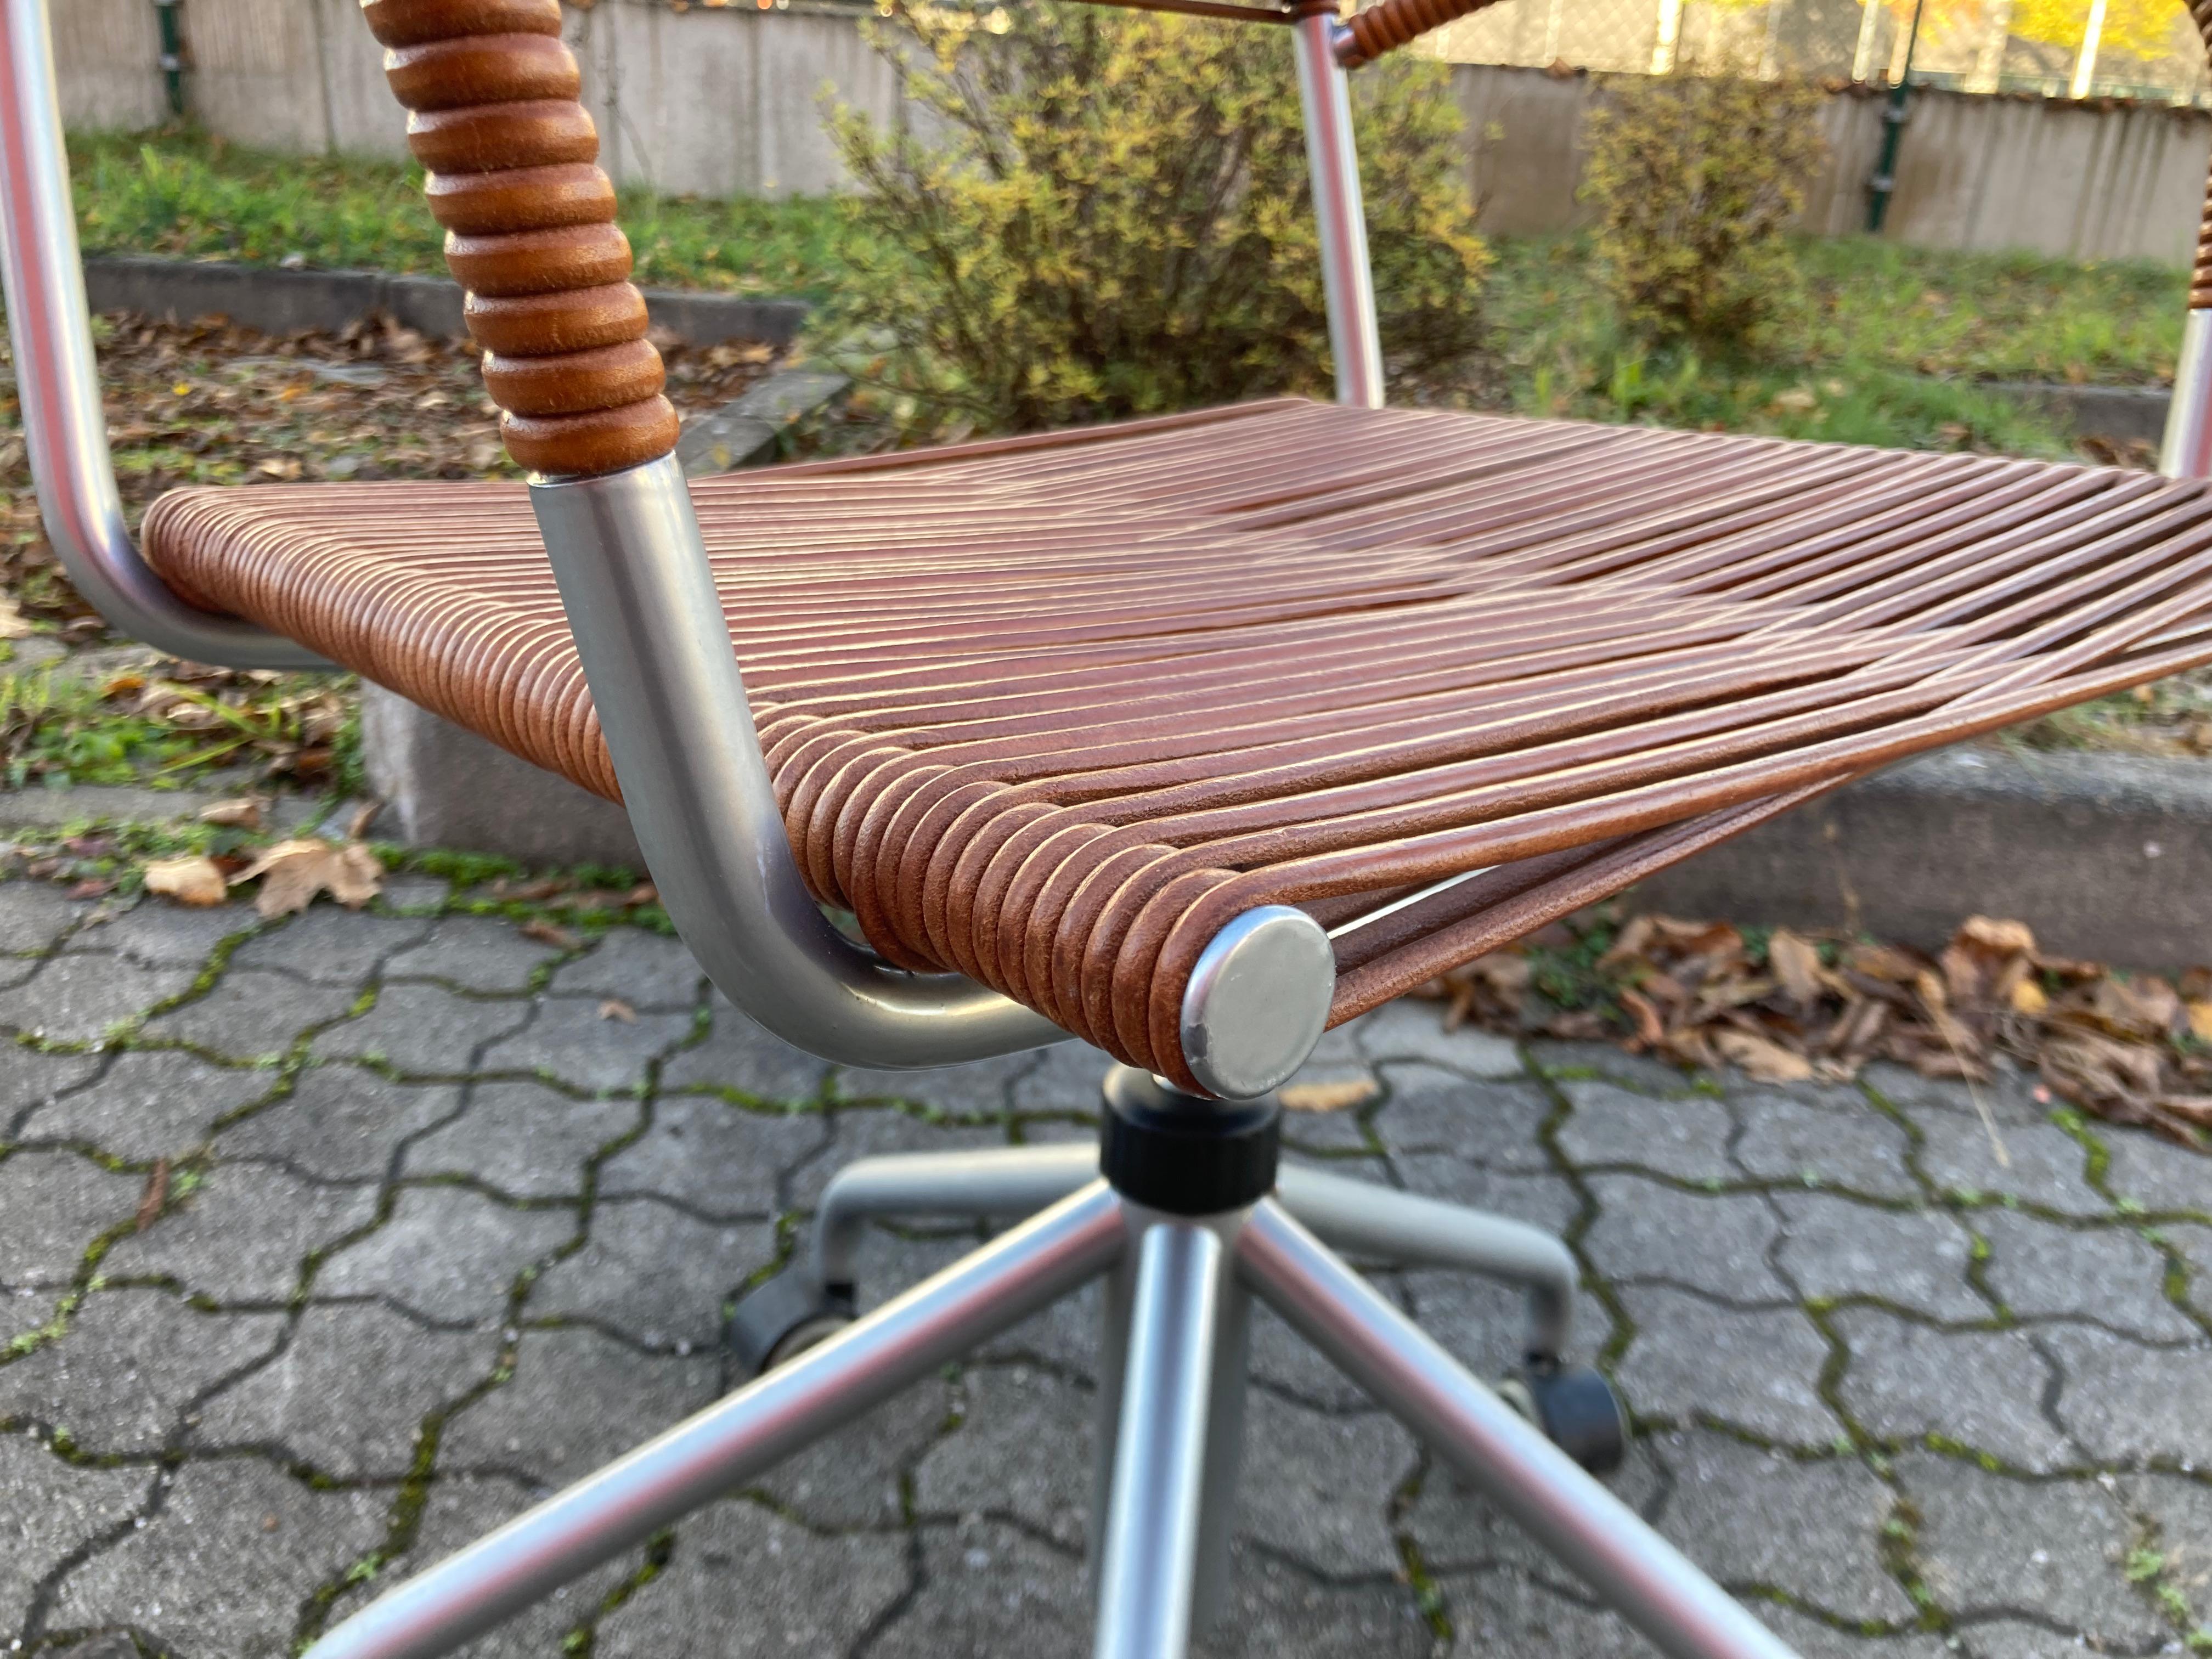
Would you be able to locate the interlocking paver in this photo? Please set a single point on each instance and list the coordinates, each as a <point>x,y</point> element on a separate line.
<point>49,1510</point>
<point>458,1510</point>
<point>1810,1528</point>
<point>710,1156</point>
<point>1310,1490</point>
<point>1647,1230</point>
<point>645,970</point>
<point>1833,1248</point>
<point>1759,1370</point>
<point>284,1405</point>
<point>584,1042</point>
<point>82,998</point>
<point>1687,1138</point>
<point>577,1400</point>
<point>331,946</point>
<point>252,1013</point>
<point>737,1053</point>
<point>34,914</point>
<point>223,1566</point>
<point>1431,1109</point>
<point>1824,1142</point>
<point>149,1104</point>
<point>242,1235</point>
<point>158,934</point>
<point>952,1519</point>
<point>29,1079</point>
<point>739,1567</point>
<point>2126,1402</point>
<point>1409,1030</point>
<point>654,1274</point>
<point>472,953</point>
<point>421,1030</point>
<point>2042,1164</point>
<point>522,1138</point>
<point>2147,1171</point>
<point>1991,1544</point>
<point>131,1360</point>
<point>1983,1389</point>
<point>2111,1274</point>
<point>339,1123</point>
<point>52,1206</point>
<point>1023,1451</point>
<point>446,1253</point>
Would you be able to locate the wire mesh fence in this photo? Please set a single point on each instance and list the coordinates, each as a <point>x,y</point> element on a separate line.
<point>2145,49</point>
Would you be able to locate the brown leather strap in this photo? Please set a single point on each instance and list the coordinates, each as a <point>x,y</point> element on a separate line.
<point>530,228</point>
<point>1370,33</point>
<point>1051,711</point>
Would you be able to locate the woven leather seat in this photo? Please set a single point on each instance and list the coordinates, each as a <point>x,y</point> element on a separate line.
<point>1049,711</point>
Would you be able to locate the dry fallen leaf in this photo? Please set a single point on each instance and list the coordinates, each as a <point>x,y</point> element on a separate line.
<point>615,1008</point>
<point>1796,964</point>
<point>1328,1096</point>
<point>2200,1021</point>
<point>292,872</point>
<point>550,933</point>
<point>14,625</point>
<point>244,813</point>
<point>1770,1062</point>
<point>2027,997</point>
<point>194,879</point>
<point>156,1195</point>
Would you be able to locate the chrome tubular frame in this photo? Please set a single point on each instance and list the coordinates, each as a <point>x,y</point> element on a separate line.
<point>655,642</point>
<point>2186,450</point>
<point>1339,217</point>
<point>58,377</point>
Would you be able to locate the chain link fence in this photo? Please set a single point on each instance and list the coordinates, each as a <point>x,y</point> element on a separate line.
<point>2143,48</point>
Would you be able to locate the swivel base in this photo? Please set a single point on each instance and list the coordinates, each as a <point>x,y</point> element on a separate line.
<point>1179,1289</point>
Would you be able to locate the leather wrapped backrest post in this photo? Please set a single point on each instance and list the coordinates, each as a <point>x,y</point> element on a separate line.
<point>494,118</point>
<point>1370,33</point>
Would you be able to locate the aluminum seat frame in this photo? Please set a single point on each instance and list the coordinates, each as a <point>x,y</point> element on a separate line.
<point>635,585</point>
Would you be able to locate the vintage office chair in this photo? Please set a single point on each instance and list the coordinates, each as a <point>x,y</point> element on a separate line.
<point>1187,736</point>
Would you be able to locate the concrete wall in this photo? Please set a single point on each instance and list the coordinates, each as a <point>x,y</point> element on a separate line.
<point>725,100</point>
<point>2086,181</point>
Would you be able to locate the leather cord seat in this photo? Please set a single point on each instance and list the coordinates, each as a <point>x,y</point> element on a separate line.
<point>1049,711</point>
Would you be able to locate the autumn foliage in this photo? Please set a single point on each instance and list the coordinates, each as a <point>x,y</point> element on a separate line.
<point>1787,1007</point>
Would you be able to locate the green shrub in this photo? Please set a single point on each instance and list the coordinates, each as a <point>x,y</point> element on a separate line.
<point>1695,180</point>
<point>1115,219</point>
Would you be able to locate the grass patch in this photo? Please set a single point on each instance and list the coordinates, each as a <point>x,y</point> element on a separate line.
<point>190,195</point>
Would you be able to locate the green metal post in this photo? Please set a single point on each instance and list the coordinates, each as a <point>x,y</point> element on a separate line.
<point>1884,182</point>
<point>172,55</point>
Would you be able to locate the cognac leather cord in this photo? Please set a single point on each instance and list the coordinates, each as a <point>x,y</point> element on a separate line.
<point>1050,710</point>
<point>495,117</point>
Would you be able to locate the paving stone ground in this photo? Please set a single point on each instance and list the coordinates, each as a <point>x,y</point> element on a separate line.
<point>443,1228</point>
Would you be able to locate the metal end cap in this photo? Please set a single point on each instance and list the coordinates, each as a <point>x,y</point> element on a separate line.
<point>1257,1001</point>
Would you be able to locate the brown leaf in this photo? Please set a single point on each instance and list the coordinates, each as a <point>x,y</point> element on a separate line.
<point>644,893</point>
<point>244,813</point>
<point>550,933</point>
<point>1999,937</point>
<point>1880,961</point>
<point>14,624</point>
<point>194,879</point>
<point>92,887</point>
<point>2200,1021</point>
<point>1328,1096</point>
<point>2027,997</point>
<point>155,1198</point>
<point>1649,1028</point>
<point>1770,1062</point>
<point>1796,964</point>
<point>615,1008</point>
<point>292,872</point>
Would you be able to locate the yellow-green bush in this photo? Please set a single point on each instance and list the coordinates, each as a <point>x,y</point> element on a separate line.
<point>1115,217</point>
<point>1695,180</point>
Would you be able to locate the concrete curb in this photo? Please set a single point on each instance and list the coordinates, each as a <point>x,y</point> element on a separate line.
<point>281,301</point>
<point>2105,856</point>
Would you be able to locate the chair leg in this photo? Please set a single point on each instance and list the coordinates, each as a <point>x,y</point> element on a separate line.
<point>998,1181</point>
<point>1646,1579</point>
<point>744,1434</point>
<point>1149,1562</point>
<point>1361,1218</point>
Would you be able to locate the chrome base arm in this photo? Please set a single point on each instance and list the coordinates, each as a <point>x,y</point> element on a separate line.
<point>58,378</point>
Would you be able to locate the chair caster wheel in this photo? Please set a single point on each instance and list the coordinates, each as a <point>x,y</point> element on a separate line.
<point>1577,1409</point>
<point>780,1318</point>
